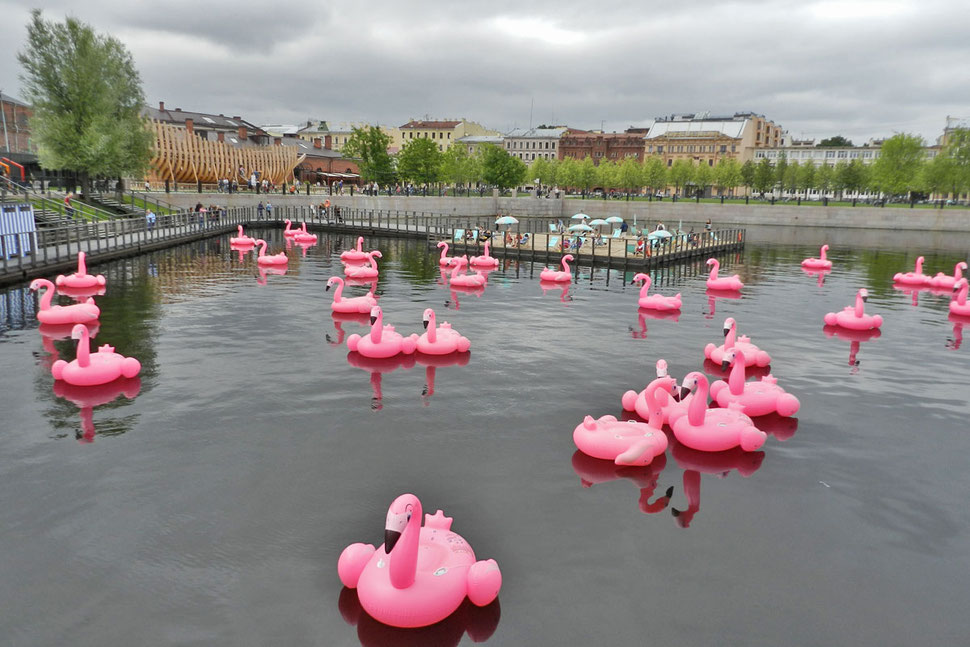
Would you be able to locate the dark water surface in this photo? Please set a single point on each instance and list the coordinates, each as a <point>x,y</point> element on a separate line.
<point>211,508</point>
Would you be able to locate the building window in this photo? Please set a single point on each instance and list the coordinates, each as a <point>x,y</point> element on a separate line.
<point>854,154</point>
<point>710,162</point>
<point>759,154</point>
<point>508,145</point>
<point>670,162</point>
<point>867,154</point>
<point>440,147</point>
<point>553,145</point>
<point>449,135</point>
<point>733,148</point>
<point>842,154</point>
<point>829,154</point>
<point>660,149</point>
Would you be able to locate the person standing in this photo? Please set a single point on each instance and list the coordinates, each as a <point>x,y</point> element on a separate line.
<point>259,210</point>
<point>150,219</point>
<point>68,209</point>
<point>269,210</point>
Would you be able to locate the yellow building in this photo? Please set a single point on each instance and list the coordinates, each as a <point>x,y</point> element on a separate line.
<point>704,139</point>
<point>444,132</point>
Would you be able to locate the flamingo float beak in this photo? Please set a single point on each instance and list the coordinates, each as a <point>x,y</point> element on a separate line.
<point>684,392</point>
<point>726,331</point>
<point>390,539</point>
<point>373,320</point>
<point>865,298</point>
<point>425,322</point>
<point>725,363</point>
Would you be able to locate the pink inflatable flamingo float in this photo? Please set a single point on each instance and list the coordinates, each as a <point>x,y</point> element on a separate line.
<point>444,260</point>
<point>355,255</point>
<point>485,260</point>
<point>88,397</point>
<point>303,236</point>
<point>732,283</point>
<point>241,239</point>
<point>820,263</point>
<point>287,232</point>
<point>81,278</point>
<point>382,341</point>
<point>945,281</point>
<point>366,272</point>
<point>593,471</point>
<point>563,275</point>
<point>640,402</point>
<point>440,340</point>
<point>401,590</point>
<point>959,305</point>
<point>459,279</point>
<point>719,464</point>
<point>74,314</point>
<point>712,430</point>
<point>913,278</point>
<point>752,354</point>
<point>266,259</point>
<point>654,301</point>
<point>355,304</point>
<point>755,398</point>
<point>854,318</point>
<point>90,369</point>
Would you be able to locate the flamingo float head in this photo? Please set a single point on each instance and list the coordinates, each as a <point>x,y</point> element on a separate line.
<point>375,313</point>
<point>661,368</point>
<point>729,323</point>
<point>428,317</point>
<point>331,282</point>
<point>399,515</point>
<point>864,294</point>
<point>689,385</point>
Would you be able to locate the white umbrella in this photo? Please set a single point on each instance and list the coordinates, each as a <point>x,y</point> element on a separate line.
<point>615,219</point>
<point>506,220</point>
<point>598,221</point>
<point>581,227</point>
<point>580,216</point>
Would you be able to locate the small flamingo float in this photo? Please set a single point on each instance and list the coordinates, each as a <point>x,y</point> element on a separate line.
<point>382,341</point>
<point>444,260</point>
<point>90,369</point>
<point>854,318</point>
<point>655,301</point>
<point>485,260</point>
<point>459,279</point>
<point>756,398</point>
<point>712,430</point>
<point>440,340</point>
<point>593,471</point>
<point>401,590</point>
<point>303,236</point>
<point>88,397</point>
<point>81,278</point>
<point>241,239</point>
<point>731,283</point>
<point>267,259</point>
<point>78,313</point>
<point>355,255</point>
<point>913,278</point>
<point>354,304</point>
<point>959,305</point>
<point>945,281</point>
<point>663,400</point>
<point>719,464</point>
<point>820,263</point>
<point>365,272</point>
<point>563,275</point>
<point>752,354</point>
<point>287,232</point>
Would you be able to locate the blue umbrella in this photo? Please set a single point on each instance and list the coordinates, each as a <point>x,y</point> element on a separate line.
<point>615,219</point>
<point>580,216</point>
<point>506,220</point>
<point>581,227</point>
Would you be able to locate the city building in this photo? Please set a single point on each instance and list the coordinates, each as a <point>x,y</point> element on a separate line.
<point>952,124</point>
<point>321,164</point>
<point>15,126</point>
<point>472,142</point>
<point>706,139</point>
<point>580,144</point>
<point>443,132</point>
<point>831,155</point>
<point>530,144</point>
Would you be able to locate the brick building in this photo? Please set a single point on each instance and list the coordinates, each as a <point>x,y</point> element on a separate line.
<point>704,139</point>
<point>616,147</point>
<point>15,126</point>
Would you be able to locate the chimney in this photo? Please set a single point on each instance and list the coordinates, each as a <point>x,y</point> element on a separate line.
<point>161,105</point>
<point>278,141</point>
<point>178,110</point>
<point>189,126</point>
<point>327,142</point>
<point>222,137</point>
<point>243,135</point>
<point>317,143</point>
<point>236,118</point>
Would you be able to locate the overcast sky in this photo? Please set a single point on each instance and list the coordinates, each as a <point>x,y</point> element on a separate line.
<point>861,68</point>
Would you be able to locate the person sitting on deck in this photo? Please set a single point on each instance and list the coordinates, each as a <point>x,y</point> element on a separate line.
<point>523,240</point>
<point>640,246</point>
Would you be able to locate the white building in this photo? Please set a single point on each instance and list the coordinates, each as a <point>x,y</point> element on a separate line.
<point>529,144</point>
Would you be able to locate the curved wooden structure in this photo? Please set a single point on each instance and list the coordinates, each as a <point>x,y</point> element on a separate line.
<point>182,156</point>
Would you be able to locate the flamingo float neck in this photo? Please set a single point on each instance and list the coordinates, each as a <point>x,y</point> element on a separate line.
<point>377,325</point>
<point>404,551</point>
<point>432,327</point>
<point>919,265</point>
<point>239,231</point>
<point>457,267</point>
<point>645,288</point>
<point>655,400</point>
<point>698,404</point>
<point>964,287</point>
<point>82,267</point>
<point>958,270</point>
<point>339,290</point>
<point>565,262</point>
<point>444,250</point>
<point>738,375</point>
<point>48,295</point>
<point>360,243</point>
<point>485,255</point>
<point>860,304</point>
<point>715,266</point>
<point>262,246</point>
<point>80,333</point>
<point>732,334</point>
<point>824,249</point>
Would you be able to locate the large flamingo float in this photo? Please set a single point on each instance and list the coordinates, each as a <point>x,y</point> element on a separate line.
<point>640,402</point>
<point>732,283</point>
<point>593,471</point>
<point>382,341</point>
<point>90,369</point>
<point>88,397</point>
<point>712,430</point>
<point>78,313</point>
<point>460,279</point>
<point>400,589</point>
<point>365,272</point>
<point>719,464</point>
<point>959,305</point>
<point>268,259</point>
<point>945,281</point>
<point>854,318</point>
<point>241,239</point>
<point>913,278</point>
<point>81,278</point>
<point>820,263</point>
<point>444,260</point>
<point>353,304</point>
<point>355,255</point>
<point>440,340</point>
<point>303,236</point>
<point>756,398</point>
<point>485,260</point>
<point>654,301</point>
<point>564,275</point>
<point>752,354</point>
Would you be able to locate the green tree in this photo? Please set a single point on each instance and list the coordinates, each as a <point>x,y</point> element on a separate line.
<point>703,175</point>
<point>748,171</point>
<point>790,181</point>
<point>958,149</point>
<point>607,175</point>
<point>631,175</point>
<point>897,170</point>
<point>680,174</point>
<point>839,177</point>
<point>824,178</point>
<point>838,141</point>
<point>369,147</point>
<point>458,167</point>
<point>87,99</point>
<point>420,161</point>
<point>781,170</point>
<point>727,175</point>
<point>586,174</point>
<point>538,169</point>
<point>567,173</point>
<point>806,177</point>
<point>501,169</point>
<point>855,177</point>
<point>938,174</point>
<point>655,174</point>
<point>764,177</point>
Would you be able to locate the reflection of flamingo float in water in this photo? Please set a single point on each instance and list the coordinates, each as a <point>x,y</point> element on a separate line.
<point>339,318</point>
<point>382,341</point>
<point>440,340</point>
<point>444,260</point>
<point>755,398</point>
<point>655,301</point>
<point>564,275</point>
<point>398,589</point>
<point>714,295</point>
<point>563,288</point>
<point>959,322</point>
<point>366,272</point>
<point>945,281</point>
<point>643,315</point>
<point>377,367</point>
<point>241,239</point>
<point>817,273</point>
<point>267,259</point>
<point>478,622</point>
<point>720,464</point>
<point>74,314</point>
<point>90,369</point>
<point>913,278</point>
<point>712,430</point>
<point>476,290</point>
<point>485,260</point>
<point>752,354</point>
<point>854,337</point>
<point>458,279</point>
<point>959,305</point>
<point>593,471</point>
<point>820,263</point>
<point>432,363</point>
<point>81,278</point>
<point>854,318</point>
<point>731,283</point>
<point>264,271</point>
<point>88,397</point>
<point>353,304</point>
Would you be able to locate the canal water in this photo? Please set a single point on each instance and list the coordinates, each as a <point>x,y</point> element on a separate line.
<point>208,501</point>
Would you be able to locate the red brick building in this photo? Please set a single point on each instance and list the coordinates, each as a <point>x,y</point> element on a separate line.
<point>615,147</point>
<point>323,164</point>
<point>15,126</point>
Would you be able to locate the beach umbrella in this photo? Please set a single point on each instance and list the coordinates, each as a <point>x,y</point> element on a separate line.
<point>580,216</point>
<point>599,222</point>
<point>614,219</point>
<point>506,220</point>
<point>581,227</point>
<point>653,235</point>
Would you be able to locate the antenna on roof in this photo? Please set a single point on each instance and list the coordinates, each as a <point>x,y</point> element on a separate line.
<point>531,106</point>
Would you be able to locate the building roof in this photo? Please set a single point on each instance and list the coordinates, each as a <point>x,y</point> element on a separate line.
<point>304,147</point>
<point>200,119</point>
<point>728,127</point>
<point>480,139</point>
<point>431,125</point>
<point>537,133</point>
<point>957,122</point>
<point>281,130</point>
<point>9,99</point>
